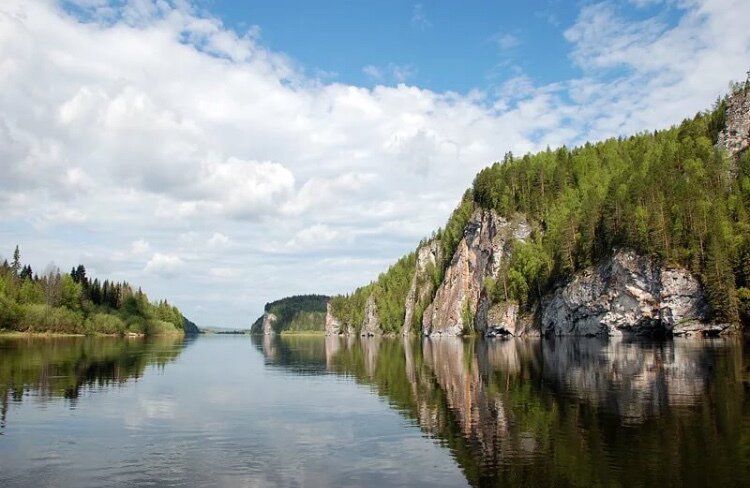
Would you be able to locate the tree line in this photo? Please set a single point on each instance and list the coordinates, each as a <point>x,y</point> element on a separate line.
<point>671,194</point>
<point>299,313</point>
<point>73,303</point>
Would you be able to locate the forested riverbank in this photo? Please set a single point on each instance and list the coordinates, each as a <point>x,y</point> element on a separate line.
<point>55,302</point>
<point>665,213</point>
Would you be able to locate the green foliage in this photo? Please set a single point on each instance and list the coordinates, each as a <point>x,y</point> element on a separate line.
<point>529,271</point>
<point>392,287</point>
<point>743,296</point>
<point>73,304</point>
<point>43,318</point>
<point>350,309</point>
<point>390,291</point>
<point>104,323</point>
<point>453,233</point>
<point>71,293</point>
<point>9,312</point>
<point>467,318</point>
<point>30,292</point>
<point>300,313</point>
<point>667,193</point>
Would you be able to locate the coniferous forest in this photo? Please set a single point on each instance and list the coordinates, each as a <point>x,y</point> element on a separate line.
<point>296,314</point>
<point>73,303</point>
<point>672,194</point>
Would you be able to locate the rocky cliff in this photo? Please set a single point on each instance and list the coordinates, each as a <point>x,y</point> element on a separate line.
<point>629,294</point>
<point>624,294</point>
<point>485,246</point>
<point>735,137</point>
<point>268,321</point>
<point>332,324</point>
<point>664,194</point>
<point>422,286</point>
<point>371,324</point>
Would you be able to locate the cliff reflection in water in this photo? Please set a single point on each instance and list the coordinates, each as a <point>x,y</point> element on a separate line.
<point>591,412</point>
<point>53,367</point>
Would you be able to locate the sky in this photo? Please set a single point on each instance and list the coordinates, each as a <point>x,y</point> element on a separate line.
<point>223,154</point>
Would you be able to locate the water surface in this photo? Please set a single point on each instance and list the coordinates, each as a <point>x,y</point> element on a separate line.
<point>314,411</point>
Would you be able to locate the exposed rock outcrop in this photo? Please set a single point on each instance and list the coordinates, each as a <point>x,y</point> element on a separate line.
<point>503,320</point>
<point>371,324</point>
<point>421,287</point>
<point>268,320</point>
<point>631,294</point>
<point>735,137</point>
<point>485,246</point>
<point>333,325</point>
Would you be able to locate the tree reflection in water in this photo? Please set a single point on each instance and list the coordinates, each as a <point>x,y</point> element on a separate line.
<point>46,368</point>
<point>563,412</point>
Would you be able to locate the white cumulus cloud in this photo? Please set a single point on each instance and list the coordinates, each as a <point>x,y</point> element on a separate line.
<point>165,265</point>
<point>153,120</point>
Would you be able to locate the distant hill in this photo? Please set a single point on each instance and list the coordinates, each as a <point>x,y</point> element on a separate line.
<point>301,313</point>
<point>189,326</point>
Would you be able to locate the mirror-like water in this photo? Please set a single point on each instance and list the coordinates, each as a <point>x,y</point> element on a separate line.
<point>314,411</point>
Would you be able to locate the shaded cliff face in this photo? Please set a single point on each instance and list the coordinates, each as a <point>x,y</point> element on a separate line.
<point>504,320</point>
<point>268,320</point>
<point>332,324</point>
<point>624,294</point>
<point>486,245</point>
<point>422,287</point>
<point>735,137</point>
<point>371,324</point>
<point>628,293</point>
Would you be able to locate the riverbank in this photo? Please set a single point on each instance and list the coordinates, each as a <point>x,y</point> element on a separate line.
<point>5,333</point>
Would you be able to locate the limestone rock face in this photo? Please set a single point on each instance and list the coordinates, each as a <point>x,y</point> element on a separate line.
<point>631,294</point>
<point>268,321</point>
<point>333,325</point>
<point>485,246</point>
<point>421,284</point>
<point>503,320</point>
<point>371,324</point>
<point>735,137</point>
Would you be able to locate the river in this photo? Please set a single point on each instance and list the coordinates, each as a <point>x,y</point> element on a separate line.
<point>314,411</point>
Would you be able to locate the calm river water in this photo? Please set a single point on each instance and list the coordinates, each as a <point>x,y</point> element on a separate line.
<point>314,411</point>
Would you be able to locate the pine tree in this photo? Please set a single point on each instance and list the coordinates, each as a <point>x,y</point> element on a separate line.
<point>16,266</point>
<point>719,282</point>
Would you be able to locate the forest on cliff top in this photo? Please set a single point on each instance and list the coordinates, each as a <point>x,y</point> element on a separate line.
<point>300,313</point>
<point>670,193</point>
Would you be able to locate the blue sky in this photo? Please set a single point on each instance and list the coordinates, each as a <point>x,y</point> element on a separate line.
<point>442,46</point>
<point>225,154</point>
